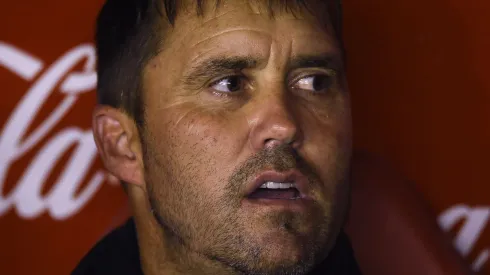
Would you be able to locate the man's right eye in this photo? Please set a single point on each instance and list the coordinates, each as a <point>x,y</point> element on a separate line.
<point>228,84</point>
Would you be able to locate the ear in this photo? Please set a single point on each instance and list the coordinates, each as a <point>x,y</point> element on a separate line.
<point>118,143</point>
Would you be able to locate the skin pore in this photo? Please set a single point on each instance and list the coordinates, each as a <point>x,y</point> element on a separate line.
<point>231,94</point>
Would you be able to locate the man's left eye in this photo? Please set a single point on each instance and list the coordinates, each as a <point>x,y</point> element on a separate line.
<point>314,83</point>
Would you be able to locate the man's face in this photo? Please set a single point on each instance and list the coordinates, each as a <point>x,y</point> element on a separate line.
<point>237,99</point>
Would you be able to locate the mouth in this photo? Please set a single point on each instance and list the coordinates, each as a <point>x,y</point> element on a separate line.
<point>276,191</point>
<point>272,185</point>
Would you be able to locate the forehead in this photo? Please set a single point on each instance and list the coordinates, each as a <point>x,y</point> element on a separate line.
<point>236,24</point>
<point>237,29</point>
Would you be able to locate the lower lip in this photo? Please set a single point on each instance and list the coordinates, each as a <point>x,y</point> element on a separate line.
<point>297,205</point>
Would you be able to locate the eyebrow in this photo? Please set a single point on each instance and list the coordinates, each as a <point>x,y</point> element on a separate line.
<point>219,66</point>
<point>313,61</point>
<point>222,65</point>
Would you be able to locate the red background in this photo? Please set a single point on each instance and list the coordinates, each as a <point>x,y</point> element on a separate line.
<point>420,98</point>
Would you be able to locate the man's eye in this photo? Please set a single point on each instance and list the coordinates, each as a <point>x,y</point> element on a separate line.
<point>314,83</point>
<point>228,84</point>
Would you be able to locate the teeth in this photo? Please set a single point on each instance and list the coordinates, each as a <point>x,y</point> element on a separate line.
<point>285,185</point>
<point>277,185</point>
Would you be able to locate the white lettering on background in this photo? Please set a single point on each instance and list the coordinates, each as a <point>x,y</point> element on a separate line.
<point>476,219</point>
<point>26,197</point>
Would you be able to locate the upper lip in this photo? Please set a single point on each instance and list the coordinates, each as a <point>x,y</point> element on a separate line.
<point>292,176</point>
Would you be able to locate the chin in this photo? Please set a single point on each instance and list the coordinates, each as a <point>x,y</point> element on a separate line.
<point>286,250</point>
<point>285,262</point>
<point>286,254</point>
<point>274,252</point>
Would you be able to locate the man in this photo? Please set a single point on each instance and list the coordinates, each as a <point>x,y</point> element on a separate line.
<point>228,123</point>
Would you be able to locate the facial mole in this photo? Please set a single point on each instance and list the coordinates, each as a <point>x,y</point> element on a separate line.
<point>153,64</point>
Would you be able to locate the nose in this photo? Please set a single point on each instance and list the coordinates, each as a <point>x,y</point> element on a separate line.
<point>274,123</point>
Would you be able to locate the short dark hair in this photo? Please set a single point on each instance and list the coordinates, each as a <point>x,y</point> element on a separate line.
<point>129,34</point>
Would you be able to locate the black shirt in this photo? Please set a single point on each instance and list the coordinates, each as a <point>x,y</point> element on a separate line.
<point>118,253</point>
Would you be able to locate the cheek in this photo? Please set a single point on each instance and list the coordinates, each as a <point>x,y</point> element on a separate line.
<point>328,152</point>
<point>328,142</point>
<point>196,144</point>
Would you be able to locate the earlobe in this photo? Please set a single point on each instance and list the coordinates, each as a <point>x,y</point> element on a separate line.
<point>118,144</point>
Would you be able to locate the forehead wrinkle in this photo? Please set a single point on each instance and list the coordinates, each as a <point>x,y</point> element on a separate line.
<point>236,29</point>
<point>216,17</point>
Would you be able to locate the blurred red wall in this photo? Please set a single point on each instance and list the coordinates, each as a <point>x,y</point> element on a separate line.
<point>420,99</point>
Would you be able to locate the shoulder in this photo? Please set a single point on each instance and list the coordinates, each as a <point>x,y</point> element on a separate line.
<point>116,253</point>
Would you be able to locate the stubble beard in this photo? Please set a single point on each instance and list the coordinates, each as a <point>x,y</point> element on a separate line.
<point>214,235</point>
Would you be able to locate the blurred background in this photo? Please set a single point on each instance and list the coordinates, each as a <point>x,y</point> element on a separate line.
<point>421,102</point>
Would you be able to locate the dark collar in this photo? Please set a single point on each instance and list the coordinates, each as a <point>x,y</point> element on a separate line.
<point>118,253</point>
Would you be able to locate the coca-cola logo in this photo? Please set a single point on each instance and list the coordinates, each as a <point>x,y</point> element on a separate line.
<point>475,220</point>
<point>26,196</point>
